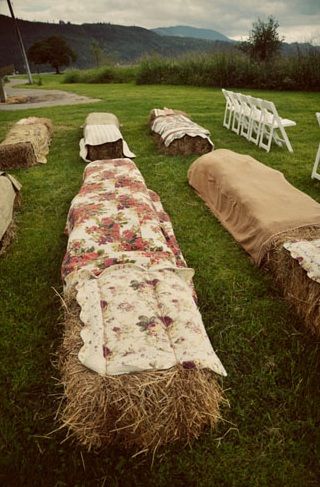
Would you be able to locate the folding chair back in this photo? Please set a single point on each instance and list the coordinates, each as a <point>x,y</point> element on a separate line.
<point>271,122</point>
<point>229,110</point>
<point>256,119</point>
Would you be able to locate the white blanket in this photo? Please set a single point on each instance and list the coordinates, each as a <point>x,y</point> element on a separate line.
<point>172,127</point>
<point>101,134</point>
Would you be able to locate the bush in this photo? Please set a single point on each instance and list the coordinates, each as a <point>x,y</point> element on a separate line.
<point>104,74</point>
<point>235,69</point>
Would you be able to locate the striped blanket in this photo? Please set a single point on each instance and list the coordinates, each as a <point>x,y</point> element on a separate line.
<point>172,127</point>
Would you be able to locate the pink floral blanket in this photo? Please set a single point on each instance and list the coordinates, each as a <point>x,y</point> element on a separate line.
<point>131,280</point>
<point>115,219</point>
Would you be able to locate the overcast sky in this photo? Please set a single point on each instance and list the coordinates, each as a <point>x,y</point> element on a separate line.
<point>299,19</point>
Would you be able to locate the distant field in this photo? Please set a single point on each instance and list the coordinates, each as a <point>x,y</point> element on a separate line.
<point>271,435</point>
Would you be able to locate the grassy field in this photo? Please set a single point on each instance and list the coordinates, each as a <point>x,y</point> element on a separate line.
<point>270,435</point>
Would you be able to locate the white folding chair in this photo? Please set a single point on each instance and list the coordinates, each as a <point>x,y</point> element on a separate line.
<point>315,174</point>
<point>256,119</point>
<point>272,124</point>
<point>229,110</point>
<point>237,112</point>
<point>245,121</point>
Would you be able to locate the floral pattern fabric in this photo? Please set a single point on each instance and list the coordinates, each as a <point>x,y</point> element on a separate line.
<point>140,320</point>
<point>115,219</point>
<point>307,253</point>
<point>133,286</point>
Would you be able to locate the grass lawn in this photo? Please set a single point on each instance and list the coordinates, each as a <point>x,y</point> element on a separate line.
<point>271,433</point>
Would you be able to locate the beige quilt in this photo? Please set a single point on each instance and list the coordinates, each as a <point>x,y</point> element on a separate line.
<point>8,188</point>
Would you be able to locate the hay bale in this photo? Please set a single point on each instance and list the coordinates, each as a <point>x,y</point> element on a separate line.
<point>299,290</point>
<point>37,120</point>
<point>110,150</point>
<point>166,111</point>
<point>26,144</point>
<point>20,154</point>
<point>185,146</point>
<point>10,200</point>
<point>102,118</point>
<point>138,411</point>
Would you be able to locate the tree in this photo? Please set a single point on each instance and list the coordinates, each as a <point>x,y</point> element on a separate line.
<point>97,52</point>
<point>54,51</point>
<point>264,41</point>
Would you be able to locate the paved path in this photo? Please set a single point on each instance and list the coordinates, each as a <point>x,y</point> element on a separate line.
<point>38,98</point>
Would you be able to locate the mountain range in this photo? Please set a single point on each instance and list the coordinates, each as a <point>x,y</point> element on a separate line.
<point>194,32</point>
<point>123,44</point>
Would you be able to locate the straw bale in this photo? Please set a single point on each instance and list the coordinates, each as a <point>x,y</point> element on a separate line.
<point>102,118</point>
<point>138,411</point>
<point>109,150</point>
<point>152,115</point>
<point>20,154</point>
<point>299,290</point>
<point>185,146</point>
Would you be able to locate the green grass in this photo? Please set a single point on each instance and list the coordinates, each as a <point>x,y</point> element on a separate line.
<point>271,435</point>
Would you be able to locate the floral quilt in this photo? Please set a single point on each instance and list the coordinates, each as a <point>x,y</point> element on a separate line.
<point>133,286</point>
<point>307,254</point>
<point>115,219</point>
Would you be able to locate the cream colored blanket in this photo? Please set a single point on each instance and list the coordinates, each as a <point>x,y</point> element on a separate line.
<point>9,186</point>
<point>253,201</point>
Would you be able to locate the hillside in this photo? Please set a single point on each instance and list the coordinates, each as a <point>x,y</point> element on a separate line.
<point>123,44</point>
<point>193,32</point>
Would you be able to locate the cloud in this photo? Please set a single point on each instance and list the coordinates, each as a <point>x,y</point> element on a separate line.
<point>299,19</point>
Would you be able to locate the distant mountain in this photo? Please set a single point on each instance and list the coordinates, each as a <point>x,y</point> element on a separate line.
<point>193,32</point>
<point>123,44</point>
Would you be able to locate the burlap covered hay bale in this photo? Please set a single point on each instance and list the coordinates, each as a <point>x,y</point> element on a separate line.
<point>102,118</point>
<point>9,201</point>
<point>185,146</point>
<point>138,411</point>
<point>262,211</point>
<point>27,143</point>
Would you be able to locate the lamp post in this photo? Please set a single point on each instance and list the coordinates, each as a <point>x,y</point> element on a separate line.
<point>20,42</point>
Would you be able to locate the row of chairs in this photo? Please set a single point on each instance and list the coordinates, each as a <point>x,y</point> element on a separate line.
<point>255,119</point>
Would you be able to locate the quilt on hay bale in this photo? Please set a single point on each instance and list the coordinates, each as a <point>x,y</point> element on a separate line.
<point>176,134</point>
<point>27,143</point>
<point>271,219</point>
<point>9,198</point>
<point>102,138</point>
<point>137,364</point>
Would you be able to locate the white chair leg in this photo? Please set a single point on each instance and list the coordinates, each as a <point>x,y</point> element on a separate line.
<point>315,174</point>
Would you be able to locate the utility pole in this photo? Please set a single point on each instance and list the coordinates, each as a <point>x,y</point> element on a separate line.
<point>20,42</point>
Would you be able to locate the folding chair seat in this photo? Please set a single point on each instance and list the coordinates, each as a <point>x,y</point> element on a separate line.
<point>273,127</point>
<point>315,174</point>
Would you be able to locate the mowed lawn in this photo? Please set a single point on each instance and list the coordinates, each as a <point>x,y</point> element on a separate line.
<point>270,435</point>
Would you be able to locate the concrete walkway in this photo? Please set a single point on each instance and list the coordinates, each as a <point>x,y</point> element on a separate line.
<point>38,98</point>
